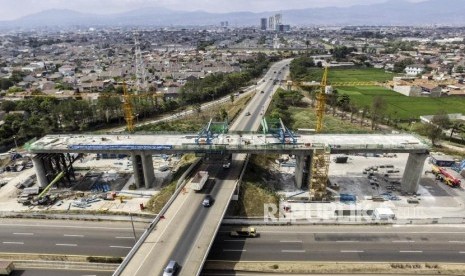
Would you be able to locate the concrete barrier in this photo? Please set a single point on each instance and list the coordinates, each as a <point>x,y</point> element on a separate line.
<point>155,221</point>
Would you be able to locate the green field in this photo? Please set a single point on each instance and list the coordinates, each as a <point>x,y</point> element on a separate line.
<point>350,75</point>
<point>399,106</point>
<point>403,107</point>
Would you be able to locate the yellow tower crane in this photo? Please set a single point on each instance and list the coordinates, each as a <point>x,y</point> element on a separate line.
<point>127,109</point>
<point>321,157</point>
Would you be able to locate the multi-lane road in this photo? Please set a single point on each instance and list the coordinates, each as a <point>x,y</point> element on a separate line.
<point>68,237</point>
<point>345,243</point>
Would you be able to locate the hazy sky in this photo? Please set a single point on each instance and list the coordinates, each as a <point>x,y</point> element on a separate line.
<point>12,9</point>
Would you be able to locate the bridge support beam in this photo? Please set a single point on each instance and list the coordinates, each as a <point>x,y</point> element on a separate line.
<point>302,168</point>
<point>413,172</point>
<point>38,164</point>
<point>138,170</point>
<point>147,165</point>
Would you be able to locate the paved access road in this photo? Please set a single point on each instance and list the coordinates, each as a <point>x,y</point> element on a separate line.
<point>57,272</point>
<point>68,237</point>
<point>345,243</point>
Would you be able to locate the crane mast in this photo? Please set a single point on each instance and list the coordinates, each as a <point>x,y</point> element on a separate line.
<point>321,101</point>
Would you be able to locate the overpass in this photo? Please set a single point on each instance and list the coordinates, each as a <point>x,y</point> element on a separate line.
<point>188,229</point>
<point>142,147</point>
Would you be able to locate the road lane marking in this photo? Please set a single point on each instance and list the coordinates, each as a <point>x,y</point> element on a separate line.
<point>293,251</point>
<point>410,251</point>
<point>234,240</point>
<point>461,252</point>
<point>347,241</point>
<point>118,246</point>
<point>291,241</point>
<point>403,241</point>
<point>72,226</point>
<point>68,235</point>
<point>24,234</point>
<point>234,250</point>
<point>351,251</point>
<point>124,237</point>
<point>168,223</point>
<point>13,242</point>
<point>457,241</point>
<point>66,244</point>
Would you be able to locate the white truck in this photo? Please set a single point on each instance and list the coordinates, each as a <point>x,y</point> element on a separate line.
<point>383,213</point>
<point>199,180</point>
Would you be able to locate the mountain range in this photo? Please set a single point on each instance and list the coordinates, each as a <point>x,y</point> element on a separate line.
<point>392,12</point>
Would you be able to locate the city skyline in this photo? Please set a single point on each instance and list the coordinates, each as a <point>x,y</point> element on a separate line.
<point>13,9</point>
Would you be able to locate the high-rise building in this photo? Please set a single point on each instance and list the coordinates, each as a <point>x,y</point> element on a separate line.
<point>263,24</point>
<point>277,19</point>
<point>271,25</point>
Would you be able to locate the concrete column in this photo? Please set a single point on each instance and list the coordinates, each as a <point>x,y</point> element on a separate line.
<point>299,169</point>
<point>413,172</point>
<point>149,175</point>
<point>138,170</point>
<point>40,171</point>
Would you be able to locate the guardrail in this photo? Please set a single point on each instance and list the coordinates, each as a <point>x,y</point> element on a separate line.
<point>222,215</point>
<point>152,225</point>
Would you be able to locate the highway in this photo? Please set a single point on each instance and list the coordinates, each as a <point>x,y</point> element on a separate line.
<point>71,237</point>
<point>188,230</point>
<point>345,243</point>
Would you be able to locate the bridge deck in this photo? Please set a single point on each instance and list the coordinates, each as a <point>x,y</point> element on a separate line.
<point>247,143</point>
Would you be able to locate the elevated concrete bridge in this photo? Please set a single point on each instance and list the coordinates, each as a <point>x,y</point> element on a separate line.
<point>142,147</point>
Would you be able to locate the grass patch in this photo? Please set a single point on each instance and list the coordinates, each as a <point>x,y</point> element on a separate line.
<point>306,118</point>
<point>108,260</point>
<point>398,105</point>
<point>194,122</point>
<point>350,75</point>
<point>156,203</point>
<point>255,191</point>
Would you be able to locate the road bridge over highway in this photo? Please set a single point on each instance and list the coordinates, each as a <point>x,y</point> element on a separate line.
<point>187,232</point>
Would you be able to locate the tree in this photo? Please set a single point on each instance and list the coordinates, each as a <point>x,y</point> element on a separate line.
<point>8,106</point>
<point>434,129</point>
<point>459,69</point>
<point>400,66</point>
<point>378,107</point>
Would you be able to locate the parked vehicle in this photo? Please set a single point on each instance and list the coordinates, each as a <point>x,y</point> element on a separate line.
<point>447,175</point>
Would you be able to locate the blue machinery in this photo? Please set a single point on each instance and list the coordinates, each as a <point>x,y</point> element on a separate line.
<point>211,131</point>
<point>279,130</point>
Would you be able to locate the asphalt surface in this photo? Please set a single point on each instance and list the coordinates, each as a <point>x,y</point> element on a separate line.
<point>345,243</point>
<point>44,272</point>
<point>187,236</point>
<point>68,237</point>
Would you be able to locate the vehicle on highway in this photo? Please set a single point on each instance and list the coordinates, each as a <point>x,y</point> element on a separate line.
<point>261,92</point>
<point>248,232</point>
<point>199,180</point>
<point>171,269</point>
<point>247,113</point>
<point>208,201</point>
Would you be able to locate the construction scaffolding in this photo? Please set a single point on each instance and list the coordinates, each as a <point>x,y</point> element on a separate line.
<point>319,177</point>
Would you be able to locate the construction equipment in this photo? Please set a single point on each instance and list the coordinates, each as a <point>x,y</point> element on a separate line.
<point>447,175</point>
<point>127,108</point>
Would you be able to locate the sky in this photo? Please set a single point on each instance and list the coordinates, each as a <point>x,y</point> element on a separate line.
<point>13,9</point>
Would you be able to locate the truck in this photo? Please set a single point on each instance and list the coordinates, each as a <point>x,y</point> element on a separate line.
<point>198,181</point>
<point>383,213</point>
<point>247,232</point>
<point>446,175</point>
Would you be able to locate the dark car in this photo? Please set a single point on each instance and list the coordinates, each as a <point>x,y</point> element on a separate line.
<point>171,269</point>
<point>207,201</point>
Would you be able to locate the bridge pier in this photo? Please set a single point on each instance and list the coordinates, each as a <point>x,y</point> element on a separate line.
<point>144,174</point>
<point>302,168</point>
<point>413,171</point>
<point>38,164</point>
<point>147,166</point>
